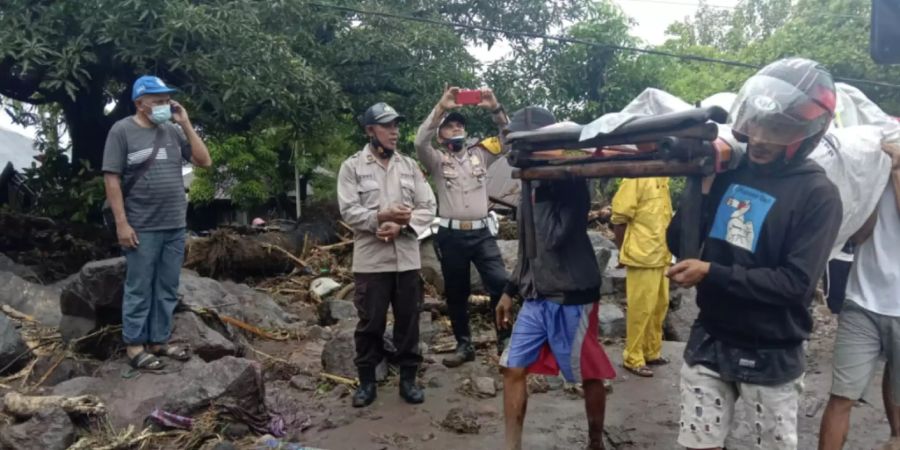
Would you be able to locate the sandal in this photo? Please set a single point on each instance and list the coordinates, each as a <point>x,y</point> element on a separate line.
<point>661,361</point>
<point>146,361</point>
<point>175,352</point>
<point>642,371</point>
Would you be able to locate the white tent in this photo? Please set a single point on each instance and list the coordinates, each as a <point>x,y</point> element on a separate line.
<point>17,149</point>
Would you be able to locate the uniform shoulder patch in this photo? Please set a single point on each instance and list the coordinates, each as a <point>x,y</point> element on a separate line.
<point>491,144</point>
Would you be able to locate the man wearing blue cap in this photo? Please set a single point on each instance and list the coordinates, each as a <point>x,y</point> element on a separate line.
<point>142,163</point>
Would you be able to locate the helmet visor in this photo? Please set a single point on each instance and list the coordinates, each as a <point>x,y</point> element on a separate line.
<point>772,111</point>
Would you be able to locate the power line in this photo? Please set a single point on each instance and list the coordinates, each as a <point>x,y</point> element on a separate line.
<point>569,40</point>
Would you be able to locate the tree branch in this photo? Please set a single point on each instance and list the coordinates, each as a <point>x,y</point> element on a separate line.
<point>14,87</point>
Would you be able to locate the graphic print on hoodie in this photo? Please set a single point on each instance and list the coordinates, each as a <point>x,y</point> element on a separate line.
<point>741,215</point>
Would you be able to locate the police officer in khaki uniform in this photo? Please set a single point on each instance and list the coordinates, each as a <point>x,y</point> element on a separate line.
<point>459,172</point>
<point>383,195</point>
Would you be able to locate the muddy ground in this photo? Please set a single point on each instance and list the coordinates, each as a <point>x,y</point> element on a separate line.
<point>641,413</point>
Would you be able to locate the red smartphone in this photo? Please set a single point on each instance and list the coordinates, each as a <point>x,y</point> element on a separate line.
<point>468,97</point>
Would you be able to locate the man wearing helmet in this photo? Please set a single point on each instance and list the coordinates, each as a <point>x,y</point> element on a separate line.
<point>768,227</point>
<point>459,171</point>
<point>383,196</point>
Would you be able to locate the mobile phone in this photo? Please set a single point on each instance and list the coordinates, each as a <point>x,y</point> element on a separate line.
<point>468,97</point>
<point>173,108</point>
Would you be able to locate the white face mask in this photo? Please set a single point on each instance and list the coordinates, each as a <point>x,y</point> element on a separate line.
<point>161,114</point>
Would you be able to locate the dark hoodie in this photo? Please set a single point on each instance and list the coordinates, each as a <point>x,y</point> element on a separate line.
<point>564,269</point>
<point>767,237</point>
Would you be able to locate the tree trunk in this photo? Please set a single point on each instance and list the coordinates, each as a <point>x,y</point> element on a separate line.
<point>88,126</point>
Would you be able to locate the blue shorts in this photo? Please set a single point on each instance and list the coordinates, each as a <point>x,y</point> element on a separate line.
<point>549,338</point>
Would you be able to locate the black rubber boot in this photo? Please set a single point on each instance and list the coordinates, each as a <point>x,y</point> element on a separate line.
<point>368,389</point>
<point>464,353</point>
<point>408,388</point>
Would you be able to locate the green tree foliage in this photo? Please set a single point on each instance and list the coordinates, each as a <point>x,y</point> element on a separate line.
<point>277,85</point>
<point>248,67</point>
<point>233,68</point>
<point>580,82</point>
<point>833,32</point>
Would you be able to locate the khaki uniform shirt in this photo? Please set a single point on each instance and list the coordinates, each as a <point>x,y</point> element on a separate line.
<point>366,187</point>
<point>460,179</point>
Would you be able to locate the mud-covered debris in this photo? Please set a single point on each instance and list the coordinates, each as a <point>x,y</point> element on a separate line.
<point>537,384</point>
<point>461,421</point>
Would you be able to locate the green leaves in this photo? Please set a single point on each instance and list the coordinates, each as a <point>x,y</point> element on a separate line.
<point>833,32</point>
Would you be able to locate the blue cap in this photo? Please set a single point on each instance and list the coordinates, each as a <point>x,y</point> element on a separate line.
<point>148,84</point>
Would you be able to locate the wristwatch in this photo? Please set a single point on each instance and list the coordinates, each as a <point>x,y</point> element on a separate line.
<point>498,110</point>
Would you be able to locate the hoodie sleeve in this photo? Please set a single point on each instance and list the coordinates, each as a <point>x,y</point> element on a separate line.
<point>809,244</point>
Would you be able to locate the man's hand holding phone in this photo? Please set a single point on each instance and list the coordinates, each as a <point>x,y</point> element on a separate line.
<point>179,114</point>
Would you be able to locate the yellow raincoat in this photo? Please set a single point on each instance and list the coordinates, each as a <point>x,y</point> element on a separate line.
<point>644,205</point>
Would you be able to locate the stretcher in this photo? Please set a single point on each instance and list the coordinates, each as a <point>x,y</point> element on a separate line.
<point>684,143</point>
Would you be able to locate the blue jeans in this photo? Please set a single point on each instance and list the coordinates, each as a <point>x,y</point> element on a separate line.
<point>151,286</point>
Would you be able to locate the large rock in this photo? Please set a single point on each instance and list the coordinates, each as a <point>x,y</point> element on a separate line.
<point>509,250</point>
<point>36,300</point>
<point>612,321</point>
<point>334,311</point>
<point>338,354</point>
<point>24,272</point>
<point>234,300</point>
<point>58,371</point>
<point>485,386</point>
<point>49,429</point>
<point>13,351</point>
<point>205,342</point>
<point>186,392</point>
<point>93,298</point>
<point>613,281</point>
<point>308,357</point>
<point>431,265</point>
<point>677,326</point>
<point>603,249</point>
<point>427,331</point>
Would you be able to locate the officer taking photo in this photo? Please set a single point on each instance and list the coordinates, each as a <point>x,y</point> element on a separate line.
<point>458,167</point>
